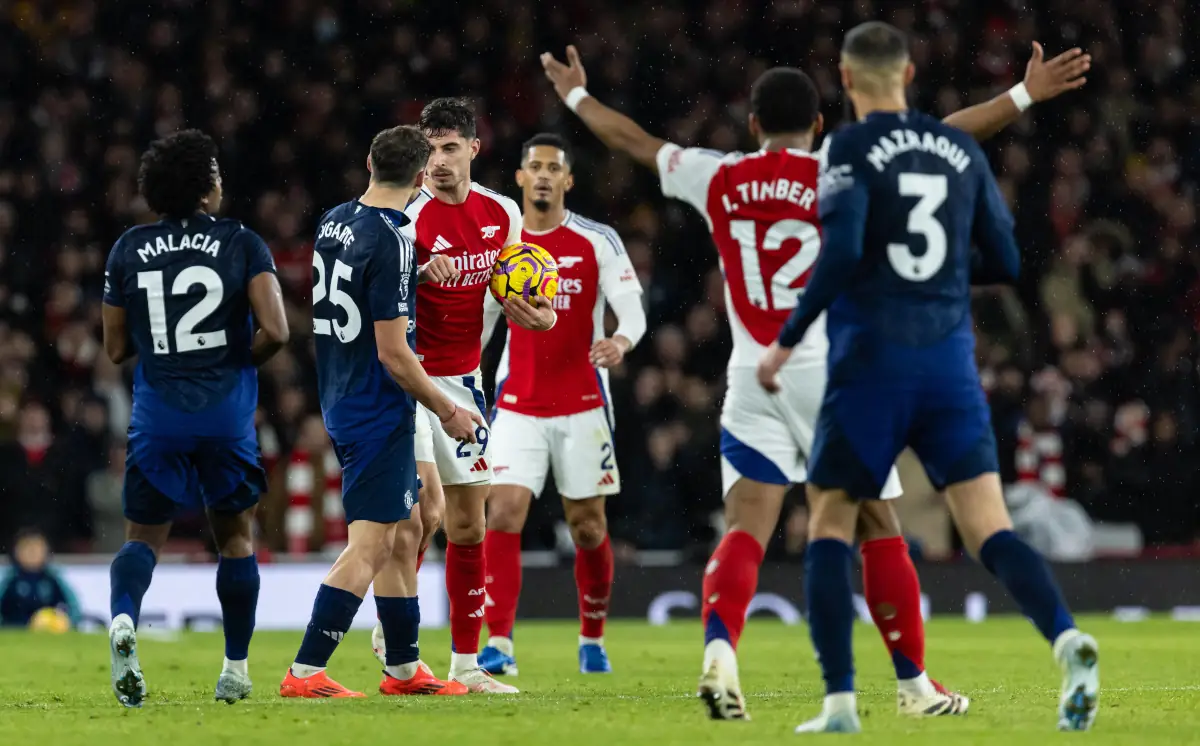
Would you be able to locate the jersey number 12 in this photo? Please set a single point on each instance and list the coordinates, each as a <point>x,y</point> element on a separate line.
<point>783,295</point>
<point>186,340</point>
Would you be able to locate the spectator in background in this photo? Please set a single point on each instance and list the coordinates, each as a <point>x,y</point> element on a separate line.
<point>31,583</point>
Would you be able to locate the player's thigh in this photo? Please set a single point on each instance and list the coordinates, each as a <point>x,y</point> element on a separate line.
<point>463,463</point>
<point>508,507</point>
<point>230,474</point>
<point>160,480</point>
<point>952,433</point>
<point>756,441</point>
<point>582,456</point>
<point>379,478</point>
<point>520,448</point>
<point>861,429</point>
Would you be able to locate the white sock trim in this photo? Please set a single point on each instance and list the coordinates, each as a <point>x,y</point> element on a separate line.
<point>303,671</point>
<point>503,644</point>
<point>403,671</point>
<point>841,702</point>
<point>241,668</point>
<point>463,662</point>
<point>919,686</point>
<point>591,641</point>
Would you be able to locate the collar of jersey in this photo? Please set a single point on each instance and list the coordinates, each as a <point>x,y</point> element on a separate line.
<point>397,215</point>
<point>194,216</point>
<point>565,220</point>
<point>881,114</point>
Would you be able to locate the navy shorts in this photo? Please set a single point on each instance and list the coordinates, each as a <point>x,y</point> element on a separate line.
<point>379,477</point>
<point>169,475</point>
<point>864,425</point>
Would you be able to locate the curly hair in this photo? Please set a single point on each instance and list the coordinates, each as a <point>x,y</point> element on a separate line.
<point>443,116</point>
<point>177,172</point>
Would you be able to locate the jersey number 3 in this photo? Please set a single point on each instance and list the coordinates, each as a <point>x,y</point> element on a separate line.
<point>349,331</point>
<point>931,190</point>
<point>186,340</point>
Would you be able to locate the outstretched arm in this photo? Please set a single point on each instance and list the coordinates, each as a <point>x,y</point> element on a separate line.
<point>1043,81</point>
<point>614,129</point>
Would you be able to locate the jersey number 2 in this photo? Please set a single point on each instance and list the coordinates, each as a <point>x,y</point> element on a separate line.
<point>186,340</point>
<point>783,295</point>
<point>932,191</point>
<point>349,331</point>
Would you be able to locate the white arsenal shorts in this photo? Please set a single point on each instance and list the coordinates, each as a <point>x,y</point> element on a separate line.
<point>578,447</point>
<point>457,463</point>
<point>767,437</point>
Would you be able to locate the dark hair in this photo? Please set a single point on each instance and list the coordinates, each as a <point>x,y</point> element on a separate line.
<point>398,154</point>
<point>785,100</point>
<point>876,43</point>
<point>443,116</point>
<point>550,140</point>
<point>177,172</point>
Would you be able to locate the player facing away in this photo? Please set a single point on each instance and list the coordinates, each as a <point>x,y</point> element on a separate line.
<point>903,196</point>
<point>459,228</point>
<point>761,210</point>
<point>364,321</point>
<point>180,295</point>
<point>552,410</point>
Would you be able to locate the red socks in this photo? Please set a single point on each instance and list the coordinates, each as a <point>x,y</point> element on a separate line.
<point>894,597</point>
<point>730,580</point>
<point>420,558</point>
<point>465,586</point>
<point>502,558</point>
<point>594,580</point>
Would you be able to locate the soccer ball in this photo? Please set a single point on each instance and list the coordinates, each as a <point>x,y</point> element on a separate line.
<point>49,619</point>
<point>526,270</point>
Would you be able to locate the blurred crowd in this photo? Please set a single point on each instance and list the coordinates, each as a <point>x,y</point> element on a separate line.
<point>1090,362</point>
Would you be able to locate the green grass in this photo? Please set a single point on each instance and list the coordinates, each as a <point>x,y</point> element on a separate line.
<point>57,689</point>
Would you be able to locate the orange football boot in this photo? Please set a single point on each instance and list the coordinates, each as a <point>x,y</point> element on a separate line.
<point>317,686</point>
<point>422,682</point>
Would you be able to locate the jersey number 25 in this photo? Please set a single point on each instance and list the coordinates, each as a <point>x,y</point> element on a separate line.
<point>349,331</point>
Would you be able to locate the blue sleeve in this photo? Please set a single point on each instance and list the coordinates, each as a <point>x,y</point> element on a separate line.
<point>843,200</point>
<point>114,276</point>
<point>997,260</point>
<point>388,274</point>
<point>258,255</point>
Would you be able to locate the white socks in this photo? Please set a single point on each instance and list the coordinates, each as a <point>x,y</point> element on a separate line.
<point>503,644</point>
<point>921,686</point>
<point>404,671</point>
<point>463,662</point>
<point>589,641</point>
<point>842,702</point>
<point>240,668</point>
<point>302,671</point>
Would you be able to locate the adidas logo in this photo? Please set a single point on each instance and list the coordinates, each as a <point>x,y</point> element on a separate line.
<point>606,480</point>
<point>333,634</point>
<point>480,465</point>
<point>440,244</point>
<point>477,614</point>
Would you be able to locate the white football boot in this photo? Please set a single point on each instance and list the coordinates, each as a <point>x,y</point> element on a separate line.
<point>127,681</point>
<point>839,714</point>
<point>1079,656</point>
<point>478,681</point>
<point>924,697</point>
<point>719,688</point>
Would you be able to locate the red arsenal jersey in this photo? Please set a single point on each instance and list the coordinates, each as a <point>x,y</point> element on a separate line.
<point>549,374</point>
<point>450,316</point>
<point>762,211</point>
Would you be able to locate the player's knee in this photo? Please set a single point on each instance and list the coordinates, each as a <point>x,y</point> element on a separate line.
<point>506,511</point>
<point>877,520</point>
<point>464,527</point>
<point>832,515</point>
<point>588,531</point>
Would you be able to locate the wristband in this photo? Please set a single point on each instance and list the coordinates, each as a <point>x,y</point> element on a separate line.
<point>574,96</point>
<point>450,416</point>
<point>1020,96</point>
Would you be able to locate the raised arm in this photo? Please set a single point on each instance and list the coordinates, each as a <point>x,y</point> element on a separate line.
<point>1043,81</point>
<point>614,129</point>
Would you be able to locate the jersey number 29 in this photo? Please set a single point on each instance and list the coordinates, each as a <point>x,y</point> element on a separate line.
<point>186,340</point>
<point>349,331</point>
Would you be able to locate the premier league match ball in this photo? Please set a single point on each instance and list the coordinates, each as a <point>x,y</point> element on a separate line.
<point>526,270</point>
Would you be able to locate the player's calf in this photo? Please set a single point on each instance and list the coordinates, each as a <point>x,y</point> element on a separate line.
<point>593,578</point>
<point>237,589</point>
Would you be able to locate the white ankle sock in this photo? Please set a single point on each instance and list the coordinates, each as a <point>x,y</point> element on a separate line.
<point>404,671</point>
<point>302,671</point>
<point>591,641</point>
<point>920,686</point>
<point>241,668</point>
<point>463,662</point>
<point>503,644</point>
<point>841,702</point>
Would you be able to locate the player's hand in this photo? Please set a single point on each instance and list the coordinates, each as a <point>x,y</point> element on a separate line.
<point>768,367</point>
<point>439,269</point>
<point>537,316</point>
<point>1045,80</point>
<point>609,353</point>
<point>461,425</point>
<point>565,77</point>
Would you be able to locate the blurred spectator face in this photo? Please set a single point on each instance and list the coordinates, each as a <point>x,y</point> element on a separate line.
<point>31,552</point>
<point>34,424</point>
<point>649,387</point>
<point>450,162</point>
<point>662,444</point>
<point>94,416</point>
<point>1064,330</point>
<point>702,324</point>
<point>544,177</point>
<point>1076,251</point>
<point>1038,412</point>
<point>1165,429</point>
<point>671,346</point>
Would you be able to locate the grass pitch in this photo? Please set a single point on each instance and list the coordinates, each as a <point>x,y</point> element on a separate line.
<point>55,689</point>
